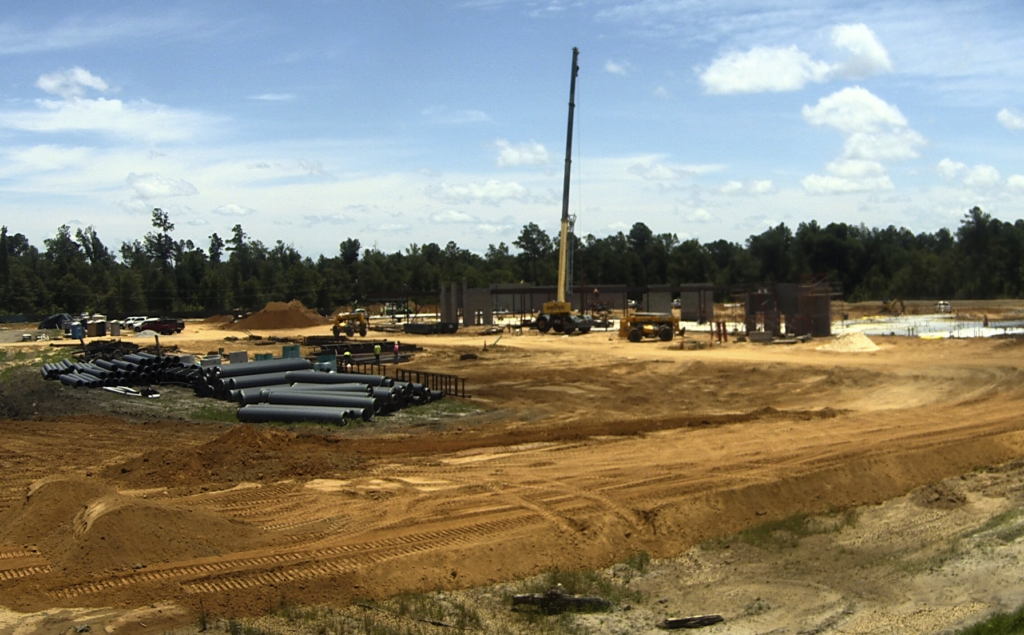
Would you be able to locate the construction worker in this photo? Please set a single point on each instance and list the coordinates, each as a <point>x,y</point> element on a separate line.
<point>376,353</point>
<point>396,350</point>
<point>348,361</point>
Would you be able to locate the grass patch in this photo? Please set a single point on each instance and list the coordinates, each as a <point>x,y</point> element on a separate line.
<point>639,561</point>
<point>211,410</point>
<point>998,624</point>
<point>583,582</point>
<point>787,532</point>
<point>446,408</point>
<point>1006,527</point>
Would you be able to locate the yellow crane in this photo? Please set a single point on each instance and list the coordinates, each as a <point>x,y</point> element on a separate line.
<point>557,315</point>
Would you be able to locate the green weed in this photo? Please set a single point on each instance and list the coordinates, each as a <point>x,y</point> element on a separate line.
<point>210,410</point>
<point>639,561</point>
<point>787,532</point>
<point>998,624</point>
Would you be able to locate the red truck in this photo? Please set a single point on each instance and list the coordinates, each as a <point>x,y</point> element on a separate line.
<point>163,326</point>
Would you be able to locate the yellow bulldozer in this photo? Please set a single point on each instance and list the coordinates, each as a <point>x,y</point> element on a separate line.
<point>637,326</point>
<point>350,323</point>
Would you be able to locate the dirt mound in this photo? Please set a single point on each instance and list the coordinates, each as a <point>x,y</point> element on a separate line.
<point>850,342</point>
<point>84,526</point>
<point>218,319</point>
<point>939,496</point>
<point>49,504</point>
<point>243,453</point>
<point>280,315</point>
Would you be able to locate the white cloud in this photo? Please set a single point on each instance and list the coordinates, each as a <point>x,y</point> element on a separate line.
<point>489,228</point>
<point>491,192</point>
<point>868,57</point>
<point>875,130</point>
<point>852,110</point>
<point>651,171</point>
<point>828,184</point>
<point>749,188</point>
<point>849,175</point>
<point>979,177</point>
<point>531,153</point>
<point>660,91</point>
<point>855,169</point>
<point>70,83</point>
<point>451,216</point>
<point>982,177</point>
<point>763,69</point>
<point>313,168</point>
<point>443,115</point>
<point>1015,183</point>
<point>233,209</point>
<point>616,68</point>
<point>273,97</point>
<point>1010,119</point>
<point>138,119</point>
<point>951,169</point>
<point>699,216</point>
<point>786,68</point>
<point>897,144</point>
<point>331,219</point>
<point>149,186</point>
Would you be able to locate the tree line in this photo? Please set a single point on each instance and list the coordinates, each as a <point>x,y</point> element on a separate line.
<point>75,272</point>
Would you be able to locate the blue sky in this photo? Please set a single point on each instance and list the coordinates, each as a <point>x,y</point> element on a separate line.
<point>413,122</point>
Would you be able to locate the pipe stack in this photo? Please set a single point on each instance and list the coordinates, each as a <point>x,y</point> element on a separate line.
<point>286,390</point>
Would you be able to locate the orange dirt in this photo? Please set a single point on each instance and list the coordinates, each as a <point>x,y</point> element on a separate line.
<point>279,315</point>
<point>588,449</point>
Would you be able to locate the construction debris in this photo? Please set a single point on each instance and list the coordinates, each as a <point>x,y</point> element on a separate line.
<point>557,600</point>
<point>697,621</point>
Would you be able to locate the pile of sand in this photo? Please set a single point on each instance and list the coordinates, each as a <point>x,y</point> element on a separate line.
<point>83,526</point>
<point>218,319</point>
<point>280,315</point>
<point>243,453</point>
<point>850,342</point>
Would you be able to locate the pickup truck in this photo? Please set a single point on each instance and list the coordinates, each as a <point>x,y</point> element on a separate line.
<point>163,326</point>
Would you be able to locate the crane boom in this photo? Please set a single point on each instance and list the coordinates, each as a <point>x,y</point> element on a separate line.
<point>563,240</point>
<point>557,314</point>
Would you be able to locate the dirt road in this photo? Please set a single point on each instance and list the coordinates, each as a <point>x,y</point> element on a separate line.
<point>587,450</point>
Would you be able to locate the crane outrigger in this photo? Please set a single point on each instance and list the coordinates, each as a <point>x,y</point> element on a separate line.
<point>557,315</point>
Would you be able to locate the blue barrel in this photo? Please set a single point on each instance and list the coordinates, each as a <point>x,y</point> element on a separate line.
<point>77,332</point>
<point>291,352</point>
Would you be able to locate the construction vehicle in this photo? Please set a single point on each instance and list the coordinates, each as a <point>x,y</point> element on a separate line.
<point>637,326</point>
<point>349,323</point>
<point>557,315</point>
<point>893,307</point>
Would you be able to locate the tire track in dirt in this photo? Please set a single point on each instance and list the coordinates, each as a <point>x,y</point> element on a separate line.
<point>13,574</point>
<point>301,564</point>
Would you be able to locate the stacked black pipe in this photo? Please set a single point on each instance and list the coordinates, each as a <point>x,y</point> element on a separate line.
<point>270,390</point>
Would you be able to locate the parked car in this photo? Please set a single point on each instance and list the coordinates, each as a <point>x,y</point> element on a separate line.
<point>943,307</point>
<point>133,322</point>
<point>163,326</point>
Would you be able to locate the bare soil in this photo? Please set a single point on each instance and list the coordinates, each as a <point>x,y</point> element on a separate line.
<point>575,452</point>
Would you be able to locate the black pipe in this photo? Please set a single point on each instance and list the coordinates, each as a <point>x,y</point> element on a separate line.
<point>353,388</point>
<point>71,379</point>
<point>263,367</point>
<point>263,413</point>
<point>250,395</point>
<point>249,381</point>
<point>316,377</point>
<point>391,395</point>
<point>292,397</point>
